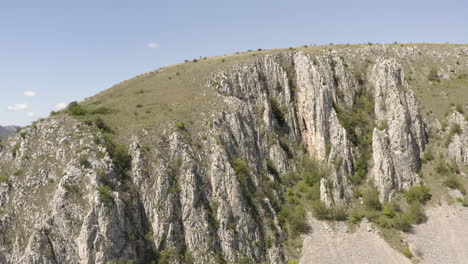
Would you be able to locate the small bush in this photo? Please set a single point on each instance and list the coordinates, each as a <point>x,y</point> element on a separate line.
<point>261,76</point>
<point>242,171</point>
<point>271,167</point>
<point>284,144</point>
<point>76,109</point>
<point>371,199</point>
<point>360,77</point>
<point>418,194</point>
<point>433,75</point>
<point>407,252</point>
<point>320,210</point>
<point>339,213</point>
<point>18,173</point>
<point>15,150</point>
<point>105,192</point>
<point>459,108</point>
<point>83,161</point>
<point>428,156</point>
<point>441,167</point>
<point>5,179</point>
<point>295,218</point>
<point>453,182</point>
<point>389,210</point>
<point>120,156</point>
<point>454,129</point>
<point>360,170</point>
<point>415,213</point>
<point>180,125</point>
<point>277,112</point>
<point>356,215</point>
<point>99,123</point>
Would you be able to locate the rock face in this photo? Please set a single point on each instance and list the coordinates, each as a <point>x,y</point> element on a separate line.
<point>397,148</point>
<point>56,209</point>
<point>212,195</point>
<point>457,147</point>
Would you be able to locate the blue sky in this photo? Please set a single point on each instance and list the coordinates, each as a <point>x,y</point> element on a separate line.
<point>55,52</point>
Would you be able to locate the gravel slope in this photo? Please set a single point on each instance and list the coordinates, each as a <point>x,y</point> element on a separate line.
<point>443,239</point>
<point>338,245</point>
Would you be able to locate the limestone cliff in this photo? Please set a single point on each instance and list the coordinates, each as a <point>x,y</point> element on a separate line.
<point>210,191</point>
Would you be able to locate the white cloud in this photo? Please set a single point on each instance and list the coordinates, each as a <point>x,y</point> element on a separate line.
<point>60,106</point>
<point>153,45</point>
<point>30,93</point>
<point>31,114</point>
<point>17,107</point>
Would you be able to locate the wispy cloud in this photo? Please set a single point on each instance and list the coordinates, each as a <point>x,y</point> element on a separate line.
<point>153,45</point>
<point>30,93</point>
<point>31,114</point>
<point>60,106</point>
<point>17,107</point>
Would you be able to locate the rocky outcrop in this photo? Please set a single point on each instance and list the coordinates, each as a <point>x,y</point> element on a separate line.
<point>457,137</point>
<point>61,201</point>
<point>397,147</point>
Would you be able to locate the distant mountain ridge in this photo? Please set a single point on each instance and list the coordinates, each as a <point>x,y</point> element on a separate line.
<point>8,131</point>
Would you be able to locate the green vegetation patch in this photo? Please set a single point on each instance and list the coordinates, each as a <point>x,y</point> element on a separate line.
<point>105,192</point>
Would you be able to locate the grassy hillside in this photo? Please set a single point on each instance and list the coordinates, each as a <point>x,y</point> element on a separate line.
<point>179,92</point>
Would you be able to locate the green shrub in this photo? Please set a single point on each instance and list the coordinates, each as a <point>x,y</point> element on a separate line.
<point>360,77</point>
<point>453,168</point>
<point>389,210</point>
<point>15,150</point>
<point>415,213</point>
<point>117,152</point>
<point>261,76</point>
<point>407,252</point>
<point>242,170</point>
<point>105,192</point>
<point>400,222</point>
<point>83,161</point>
<point>320,210</point>
<point>433,75</point>
<point>277,112</point>
<point>271,168</point>
<point>294,217</point>
<point>459,108</point>
<point>356,215</point>
<point>358,121</point>
<point>99,123</point>
<point>284,144</point>
<point>371,199</point>
<point>454,129</point>
<point>339,213</point>
<point>428,156</point>
<point>17,172</point>
<point>418,194</point>
<point>453,182</point>
<point>5,179</point>
<point>441,167</point>
<point>360,170</point>
<point>180,125</point>
<point>75,109</point>
<point>120,156</point>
